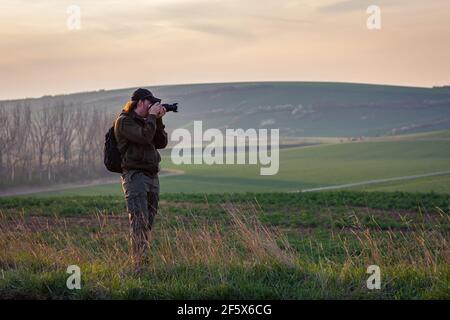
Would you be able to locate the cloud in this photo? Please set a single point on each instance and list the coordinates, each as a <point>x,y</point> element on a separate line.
<point>280,19</point>
<point>220,30</point>
<point>181,41</point>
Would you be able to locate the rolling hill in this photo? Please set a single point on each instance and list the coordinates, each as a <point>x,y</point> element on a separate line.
<point>299,109</point>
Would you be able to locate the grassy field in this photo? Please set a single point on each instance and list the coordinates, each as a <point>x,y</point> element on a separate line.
<point>438,184</point>
<point>242,245</point>
<point>225,232</point>
<point>311,167</point>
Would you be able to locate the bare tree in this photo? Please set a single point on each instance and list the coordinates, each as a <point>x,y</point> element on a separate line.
<point>20,121</point>
<point>5,142</point>
<point>56,143</point>
<point>42,128</point>
<point>65,135</point>
<point>82,123</point>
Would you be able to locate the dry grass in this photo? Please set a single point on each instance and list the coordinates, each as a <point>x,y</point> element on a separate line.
<point>46,244</point>
<point>103,239</point>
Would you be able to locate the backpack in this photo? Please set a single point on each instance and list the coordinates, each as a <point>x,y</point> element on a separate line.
<point>111,154</point>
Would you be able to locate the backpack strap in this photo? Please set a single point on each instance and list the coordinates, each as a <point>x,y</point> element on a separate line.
<point>125,148</point>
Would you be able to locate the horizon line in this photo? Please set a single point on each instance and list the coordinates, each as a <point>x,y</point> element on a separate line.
<point>209,83</point>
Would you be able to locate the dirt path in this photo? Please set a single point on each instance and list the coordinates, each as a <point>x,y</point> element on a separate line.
<point>361,183</point>
<point>30,190</point>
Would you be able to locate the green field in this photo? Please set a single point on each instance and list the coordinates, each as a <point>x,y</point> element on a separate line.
<point>438,184</point>
<point>226,232</point>
<point>312,167</point>
<point>231,246</point>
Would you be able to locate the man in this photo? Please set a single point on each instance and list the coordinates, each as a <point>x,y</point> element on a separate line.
<point>139,132</point>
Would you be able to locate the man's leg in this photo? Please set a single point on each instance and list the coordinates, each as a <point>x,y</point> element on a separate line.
<point>138,217</point>
<point>152,198</point>
<point>137,205</point>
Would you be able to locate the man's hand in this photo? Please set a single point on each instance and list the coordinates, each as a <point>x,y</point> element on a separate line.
<point>157,110</point>
<point>162,112</point>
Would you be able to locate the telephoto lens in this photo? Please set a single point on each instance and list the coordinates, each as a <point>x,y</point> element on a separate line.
<point>171,107</point>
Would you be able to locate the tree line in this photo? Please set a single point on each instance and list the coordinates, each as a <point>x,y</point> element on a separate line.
<point>58,143</point>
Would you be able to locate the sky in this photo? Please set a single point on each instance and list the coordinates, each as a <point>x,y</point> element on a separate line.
<point>123,44</point>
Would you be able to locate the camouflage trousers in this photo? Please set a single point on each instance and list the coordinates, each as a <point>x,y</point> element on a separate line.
<point>142,197</point>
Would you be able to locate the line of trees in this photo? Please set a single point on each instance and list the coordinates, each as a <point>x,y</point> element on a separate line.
<point>54,144</point>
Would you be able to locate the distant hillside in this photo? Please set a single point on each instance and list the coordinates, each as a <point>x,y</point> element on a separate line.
<point>297,108</point>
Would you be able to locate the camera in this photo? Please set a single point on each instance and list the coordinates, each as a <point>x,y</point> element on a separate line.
<point>171,107</point>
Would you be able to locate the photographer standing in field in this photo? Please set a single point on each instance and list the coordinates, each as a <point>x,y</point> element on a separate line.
<point>139,132</point>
